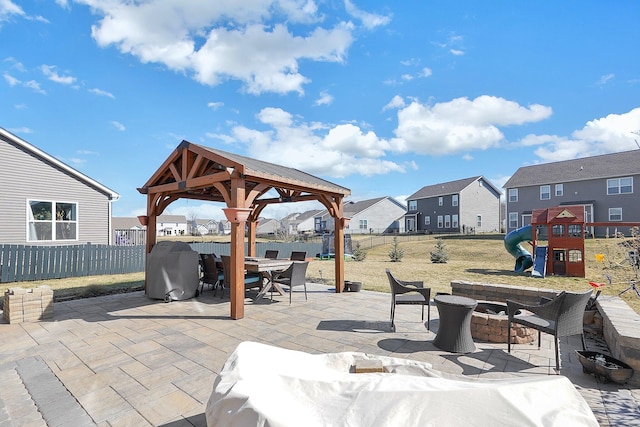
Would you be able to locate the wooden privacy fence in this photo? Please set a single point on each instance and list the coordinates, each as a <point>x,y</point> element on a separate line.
<point>27,263</point>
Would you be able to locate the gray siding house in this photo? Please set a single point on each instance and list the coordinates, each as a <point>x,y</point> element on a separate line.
<point>466,205</point>
<point>43,201</point>
<point>604,185</point>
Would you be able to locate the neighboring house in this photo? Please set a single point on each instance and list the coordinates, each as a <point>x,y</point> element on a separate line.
<point>267,226</point>
<point>167,225</point>
<point>44,201</point>
<point>203,227</point>
<point>470,205</point>
<point>379,215</point>
<point>604,185</point>
<point>306,221</point>
<point>171,225</point>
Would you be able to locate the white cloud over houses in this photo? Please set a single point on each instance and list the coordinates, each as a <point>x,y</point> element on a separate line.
<point>460,125</point>
<point>258,42</point>
<point>609,134</point>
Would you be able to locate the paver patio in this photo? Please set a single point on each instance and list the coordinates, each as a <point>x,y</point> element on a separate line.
<point>128,360</point>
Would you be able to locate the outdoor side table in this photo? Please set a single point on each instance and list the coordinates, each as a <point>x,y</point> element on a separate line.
<point>454,331</point>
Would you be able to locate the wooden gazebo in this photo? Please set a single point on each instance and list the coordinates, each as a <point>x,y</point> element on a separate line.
<point>196,172</point>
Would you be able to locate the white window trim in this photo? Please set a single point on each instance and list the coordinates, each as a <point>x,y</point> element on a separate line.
<point>548,188</point>
<point>559,190</point>
<point>454,200</point>
<point>413,205</point>
<point>514,215</point>
<point>616,209</point>
<point>513,195</point>
<point>440,221</point>
<point>619,186</point>
<point>440,201</point>
<point>53,221</point>
<point>427,220</point>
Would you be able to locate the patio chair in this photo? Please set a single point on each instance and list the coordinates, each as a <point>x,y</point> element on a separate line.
<point>251,280</point>
<point>271,253</point>
<point>561,316</point>
<point>295,275</point>
<point>408,293</point>
<point>298,256</point>
<point>212,274</point>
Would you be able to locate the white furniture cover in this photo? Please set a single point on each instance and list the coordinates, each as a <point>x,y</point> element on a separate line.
<point>262,385</point>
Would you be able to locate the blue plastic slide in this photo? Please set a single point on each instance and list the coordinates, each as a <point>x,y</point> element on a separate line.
<point>540,262</point>
<point>512,241</point>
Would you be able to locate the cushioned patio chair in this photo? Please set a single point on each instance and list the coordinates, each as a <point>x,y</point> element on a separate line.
<point>271,253</point>
<point>212,273</point>
<point>251,280</point>
<point>295,275</point>
<point>298,256</point>
<point>408,293</point>
<point>561,316</point>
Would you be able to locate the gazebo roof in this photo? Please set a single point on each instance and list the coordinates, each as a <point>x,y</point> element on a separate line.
<point>194,171</point>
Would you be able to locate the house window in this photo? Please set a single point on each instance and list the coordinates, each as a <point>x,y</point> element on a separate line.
<point>575,230</point>
<point>413,205</point>
<point>615,214</point>
<point>513,195</point>
<point>620,186</point>
<point>454,200</point>
<point>559,190</point>
<point>513,219</point>
<point>363,224</point>
<point>575,255</point>
<point>545,192</point>
<point>427,220</point>
<point>478,220</point>
<point>439,221</point>
<point>557,230</point>
<point>454,221</point>
<point>447,221</point>
<point>440,201</point>
<point>52,221</point>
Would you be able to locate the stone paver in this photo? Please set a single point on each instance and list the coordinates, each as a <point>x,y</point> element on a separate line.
<point>128,360</point>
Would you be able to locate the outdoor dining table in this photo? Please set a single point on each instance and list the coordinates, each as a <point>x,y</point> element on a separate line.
<point>267,266</point>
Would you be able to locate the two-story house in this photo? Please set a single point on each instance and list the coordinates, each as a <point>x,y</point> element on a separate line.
<point>470,205</point>
<point>603,184</point>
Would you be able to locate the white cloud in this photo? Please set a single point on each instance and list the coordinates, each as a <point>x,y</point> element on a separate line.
<point>369,20</point>
<point>456,52</point>
<point>101,92</point>
<point>605,79</point>
<point>395,103</point>
<point>324,99</point>
<point>50,72</point>
<point>426,72</point>
<point>119,126</point>
<point>609,134</point>
<point>35,86</point>
<point>9,9</point>
<point>252,41</point>
<point>316,148</point>
<point>461,124</point>
<point>12,81</point>
<point>215,105</point>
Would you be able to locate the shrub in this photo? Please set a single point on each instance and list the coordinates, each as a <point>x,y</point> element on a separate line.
<point>396,253</point>
<point>439,256</point>
<point>359,254</point>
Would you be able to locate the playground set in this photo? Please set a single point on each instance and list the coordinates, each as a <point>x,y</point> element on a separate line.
<point>563,228</point>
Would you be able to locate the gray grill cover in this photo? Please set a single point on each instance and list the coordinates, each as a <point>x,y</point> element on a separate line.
<point>172,271</point>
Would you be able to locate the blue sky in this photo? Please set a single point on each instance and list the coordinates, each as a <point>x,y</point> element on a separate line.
<point>382,97</point>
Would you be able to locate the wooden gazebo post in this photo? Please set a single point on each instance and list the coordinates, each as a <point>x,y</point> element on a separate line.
<point>237,215</point>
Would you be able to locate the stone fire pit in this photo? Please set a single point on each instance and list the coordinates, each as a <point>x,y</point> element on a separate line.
<point>489,323</point>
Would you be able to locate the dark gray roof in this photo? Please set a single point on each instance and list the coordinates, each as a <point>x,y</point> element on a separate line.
<point>596,167</point>
<point>451,187</point>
